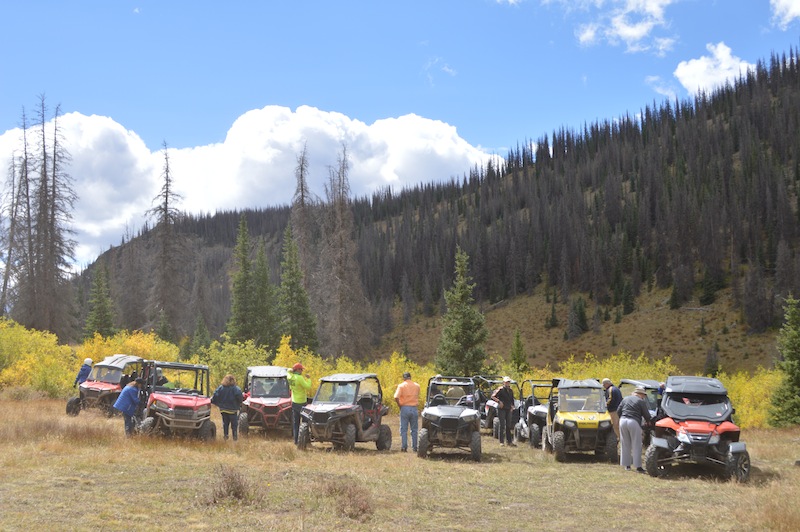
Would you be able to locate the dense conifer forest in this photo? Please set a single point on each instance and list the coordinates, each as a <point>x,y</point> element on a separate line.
<point>692,196</point>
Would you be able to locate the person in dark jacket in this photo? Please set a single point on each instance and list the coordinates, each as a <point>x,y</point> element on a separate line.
<point>128,404</point>
<point>631,411</point>
<point>504,396</point>
<point>228,397</point>
<point>613,399</point>
<point>84,372</point>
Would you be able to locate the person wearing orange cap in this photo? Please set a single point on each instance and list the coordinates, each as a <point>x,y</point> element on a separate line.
<point>300,385</point>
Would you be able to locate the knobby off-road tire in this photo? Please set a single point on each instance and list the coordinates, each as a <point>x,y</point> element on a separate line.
<point>207,431</point>
<point>737,466</point>
<point>244,424</point>
<point>74,406</point>
<point>610,448</point>
<point>350,432</point>
<point>560,445</point>
<point>423,443</point>
<point>496,428</point>
<point>475,446</point>
<point>303,436</point>
<point>651,458</point>
<point>384,441</point>
<point>535,435</point>
<point>148,426</point>
<point>547,441</point>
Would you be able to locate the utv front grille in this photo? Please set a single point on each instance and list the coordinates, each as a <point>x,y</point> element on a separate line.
<point>91,394</point>
<point>185,413</point>
<point>320,417</point>
<point>449,423</point>
<point>270,410</point>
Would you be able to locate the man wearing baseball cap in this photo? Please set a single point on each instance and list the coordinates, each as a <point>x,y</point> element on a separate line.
<point>407,397</point>
<point>300,385</point>
<point>631,411</point>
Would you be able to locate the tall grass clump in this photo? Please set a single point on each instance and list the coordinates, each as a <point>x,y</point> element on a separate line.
<point>352,499</point>
<point>230,484</point>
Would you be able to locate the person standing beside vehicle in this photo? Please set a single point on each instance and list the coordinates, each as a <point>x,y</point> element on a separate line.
<point>128,404</point>
<point>83,373</point>
<point>407,397</point>
<point>228,397</point>
<point>613,399</point>
<point>300,385</point>
<point>504,396</point>
<point>631,411</point>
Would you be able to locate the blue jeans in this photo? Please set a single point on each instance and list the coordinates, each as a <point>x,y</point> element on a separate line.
<point>408,415</point>
<point>232,421</point>
<point>130,424</point>
<point>296,409</point>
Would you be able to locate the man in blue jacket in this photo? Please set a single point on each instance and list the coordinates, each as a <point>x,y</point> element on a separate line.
<point>128,404</point>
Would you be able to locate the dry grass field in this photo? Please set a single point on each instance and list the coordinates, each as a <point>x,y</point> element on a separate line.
<point>653,329</point>
<point>62,473</point>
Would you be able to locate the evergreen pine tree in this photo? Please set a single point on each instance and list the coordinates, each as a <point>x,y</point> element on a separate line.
<point>240,323</point>
<point>101,313</point>
<point>297,321</point>
<point>265,305</point>
<point>518,359</point>
<point>460,350</point>
<point>627,298</point>
<point>785,409</point>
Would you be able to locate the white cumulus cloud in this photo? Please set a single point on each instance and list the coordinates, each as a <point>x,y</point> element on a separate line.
<point>116,176</point>
<point>711,71</point>
<point>784,12</point>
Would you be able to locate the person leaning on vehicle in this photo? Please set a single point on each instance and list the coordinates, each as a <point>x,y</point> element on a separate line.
<point>613,399</point>
<point>228,397</point>
<point>84,372</point>
<point>300,385</point>
<point>631,411</point>
<point>128,404</point>
<point>504,396</point>
<point>407,397</point>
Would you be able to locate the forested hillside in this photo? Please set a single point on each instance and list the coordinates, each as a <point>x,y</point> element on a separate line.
<point>686,197</point>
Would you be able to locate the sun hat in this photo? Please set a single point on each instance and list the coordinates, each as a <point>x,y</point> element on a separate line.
<point>87,361</point>
<point>640,390</point>
<point>506,379</point>
<point>607,381</point>
<point>298,367</point>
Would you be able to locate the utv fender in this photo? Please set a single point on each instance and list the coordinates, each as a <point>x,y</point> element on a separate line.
<point>737,447</point>
<point>660,442</point>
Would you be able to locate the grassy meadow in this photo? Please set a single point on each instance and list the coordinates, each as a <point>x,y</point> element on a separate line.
<point>62,473</point>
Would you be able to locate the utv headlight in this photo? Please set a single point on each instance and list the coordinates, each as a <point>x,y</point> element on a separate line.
<point>161,405</point>
<point>469,418</point>
<point>714,439</point>
<point>605,425</point>
<point>204,411</point>
<point>432,418</point>
<point>570,424</point>
<point>683,437</point>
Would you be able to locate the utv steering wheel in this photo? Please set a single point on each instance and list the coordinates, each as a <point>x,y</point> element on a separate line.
<point>438,399</point>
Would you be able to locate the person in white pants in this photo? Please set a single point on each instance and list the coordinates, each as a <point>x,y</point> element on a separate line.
<point>631,411</point>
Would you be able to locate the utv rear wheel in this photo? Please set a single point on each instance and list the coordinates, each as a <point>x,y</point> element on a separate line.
<point>475,446</point>
<point>536,435</point>
<point>349,438</point>
<point>303,436</point>
<point>560,445</point>
<point>423,444</point>
<point>738,466</point>
<point>384,442</point>
<point>74,406</point>
<point>244,424</point>
<point>653,461</point>
<point>496,428</point>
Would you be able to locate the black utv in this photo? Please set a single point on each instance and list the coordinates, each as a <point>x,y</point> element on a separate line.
<point>450,418</point>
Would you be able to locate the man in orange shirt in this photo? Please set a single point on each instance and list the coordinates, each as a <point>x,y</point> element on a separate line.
<point>407,397</point>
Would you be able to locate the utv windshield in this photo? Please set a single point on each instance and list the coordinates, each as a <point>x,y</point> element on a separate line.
<point>269,387</point>
<point>706,407</point>
<point>186,380</point>
<point>451,393</point>
<point>581,399</point>
<point>106,374</point>
<point>337,392</point>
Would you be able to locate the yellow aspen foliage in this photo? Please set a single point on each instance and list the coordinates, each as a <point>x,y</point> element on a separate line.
<point>33,359</point>
<point>137,343</point>
<point>751,394</point>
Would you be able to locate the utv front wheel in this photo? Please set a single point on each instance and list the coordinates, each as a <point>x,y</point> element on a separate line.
<point>560,445</point>
<point>475,446</point>
<point>654,461</point>
<point>207,430</point>
<point>610,449</point>
<point>148,426</point>
<point>349,438</point>
<point>244,424</point>
<point>74,406</point>
<point>303,436</point>
<point>423,443</point>
<point>738,466</point>
<point>535,435</point>
<point>384,442</point>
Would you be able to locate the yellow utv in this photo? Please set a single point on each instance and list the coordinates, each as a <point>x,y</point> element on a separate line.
<point>578,421</point>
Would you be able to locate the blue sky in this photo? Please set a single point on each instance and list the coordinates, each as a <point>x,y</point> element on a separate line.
<point>417,90</point>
